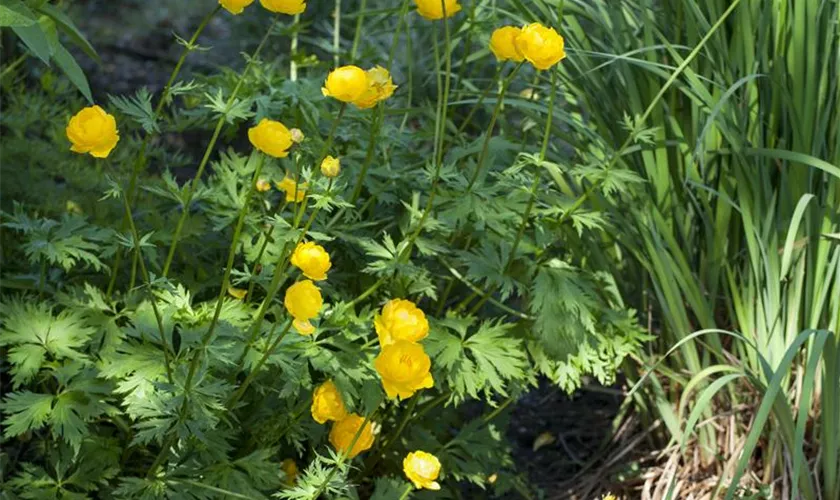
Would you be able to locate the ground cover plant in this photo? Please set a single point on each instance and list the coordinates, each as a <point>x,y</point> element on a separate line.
<point>298,307</point>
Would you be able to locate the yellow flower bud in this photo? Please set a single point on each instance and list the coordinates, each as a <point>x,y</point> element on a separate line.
<point>303,301</point>
<point>346,83</point>
<point>235,6</point>
<point>312,259</point>
<point>432,9</point>
<point>237,293</point>
<point>93,131</point>
<point>344,431</point>
<point>290,7</point>
<point>503,44</point>
<point>271,137</point>
<point>263,185</point>
<point>400,320</point>
<point>404,368</point>
<point>380,87</point>
<point>543,47</point>
<point>331,166</point>
<point>295,193</point>
<point>327,403</point>
<point>290,469</point>
<point>297,135</point>
<point>422,469</point>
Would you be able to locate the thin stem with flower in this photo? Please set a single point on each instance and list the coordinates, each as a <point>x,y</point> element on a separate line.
<point>210,148</point>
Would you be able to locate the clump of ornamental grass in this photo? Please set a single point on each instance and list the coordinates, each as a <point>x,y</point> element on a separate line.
<point>303,317</point>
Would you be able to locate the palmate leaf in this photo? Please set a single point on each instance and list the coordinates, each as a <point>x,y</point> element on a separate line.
<point>25,411</point>
<point>33,331</point>
<point>563,301</point>
<point>486,362</point>
<point>63,242</point>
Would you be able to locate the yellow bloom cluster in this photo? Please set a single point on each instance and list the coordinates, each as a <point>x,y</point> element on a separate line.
<point>363,89</point>
<point>539,45</point>
<point>402,363</point>
<point>422,469</point>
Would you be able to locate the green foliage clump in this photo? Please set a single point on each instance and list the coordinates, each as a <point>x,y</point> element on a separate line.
<point>146,338</point>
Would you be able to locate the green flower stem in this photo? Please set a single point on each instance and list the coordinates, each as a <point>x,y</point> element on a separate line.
<point>462,66</point>
<point>358,35</point>
<point>336,32</point>
<point>250,378</point>
<point>459,277</point>
<point>371,149</point>
<point>443,105</point>
<point>408,490</point>
<point>443,99</point>
<point>208,336</point>
<point>342,457</point>
<point>220,300</point>
<point>526,216</point>
<point>293,47</point>
<point>392,437</point>
<point>280,268</point>
<point>42,280</point>
<point>145,273</point>
<point>486,147</point>
<point>141,157</point>
<point>400,24</point>
<point>481,99</point>
<point>260,254</point>
<point>210,147</point>
<point>11,67</point>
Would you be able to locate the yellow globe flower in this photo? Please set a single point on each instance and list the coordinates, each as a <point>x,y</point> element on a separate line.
<point>503,44</point>
<point>295,193</point>
<point>312,259</point>
<point>303,301</point>
<point>422,469</point>
<point>327,403</point>
<point>263,185</point>
<point>400,320</point>
<point>433,9</point>
<point>346,83</point>
<point>271,137</point>
<point>290,7</point>
<point>93,131</point>
<point>237,293</point>
<point>404,368</point>
<point>543,47</point>
<point>331,166</point>
<point>380,87</point>
<point>235,6</point>
<point>290,470</point>
<point>343,432</point>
